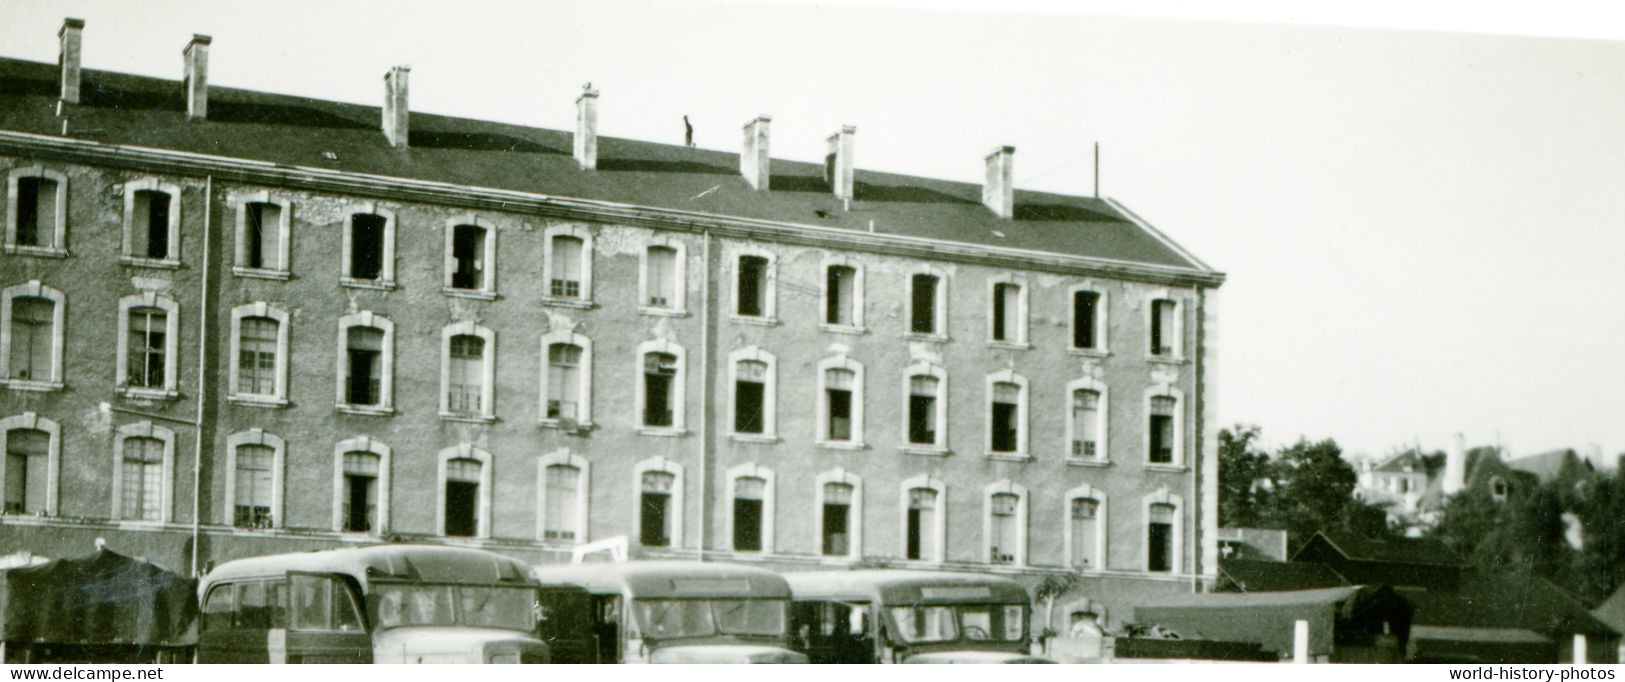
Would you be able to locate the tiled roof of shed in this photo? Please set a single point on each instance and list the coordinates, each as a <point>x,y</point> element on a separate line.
<point>122,109</point>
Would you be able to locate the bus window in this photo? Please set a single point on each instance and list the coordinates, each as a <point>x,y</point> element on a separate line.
<point>219,608</point>
<point>260,606</point>
<point>1014,626</point>
<point>322,603</point>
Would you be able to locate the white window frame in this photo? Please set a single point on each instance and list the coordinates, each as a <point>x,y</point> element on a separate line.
<point>857,326</point>
<point>259,309</point>
<point>821,432</point>
<point>679,302</point>
<point>173,258</point>
<point>1103,453</point>
<point>770,390</point>
<point>854,515</point>
<point>1102,319</point>
<point>1102,525</point>
<point>145,429</point>
<point>1023,417</point>
<point>770,292</point>
<point>1164,391</point>
<point>488,373</point>
<point>564,457</point>
<point>59,236</point>
<point>585,235</point>
<point>382,451</point>
<point>1176,558</point>
<point>1020,332</point>
<point>53,452</point>
<point>1176,345</point>
<point>59,310</point>
<point>386,382</point>
<point>678,386</point>
<point>482,523</point>
<point>939,325</point>
<point>284,238</point>
<point>675,518</point>
<point>279,453</point>
<point>584,385</point>
<point>922,368</point>
<point>386,273</point>
<point>940,533</point>
<point>172,325</point>
<point>1004,487</point>
<point>488,276</point>
<point>752,470</point>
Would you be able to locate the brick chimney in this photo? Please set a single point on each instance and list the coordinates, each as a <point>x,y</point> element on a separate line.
<point>196,56</point>
<point>999,192</point>
<point>68,57</point>
<point>586,141</point>
<point>838,162</point>
<point>753,160</point>
<point>396,112</point>
<point>1455,466</point>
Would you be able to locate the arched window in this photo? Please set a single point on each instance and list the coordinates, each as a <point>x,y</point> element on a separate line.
<point>369,247</point>
<point>361,484</point>
<point>1006,414</point>
<point>840,402</point>
<point>144,460</point>
<point>1089,328</point>
<point>564,487</point>
<point>1086,422</point>
<point>750,495</point>
<point>754,389</point>
<point>254,479</point>
<point>152,223</point>
<point>755,285</point>
<point>924,502</point>
<point>148,341</point>
<point>843,297</point>
<point>259,339</point>
<point>366,363</point>
<point>928,303</point>
<point>468,376</point>
<point>470,257</point>
<point>567,379</point>
<point>1164,531</point>
<point>567,268</point>
<point>32,448</point>
<point>1164,431</point>
<point>1007,311</point>
<point>660,392</point>
<point>925,409</point>
<point>263,235</point>
<point>658,488</point>
<point>1085,523</point>
<point>32,318</point>
<point>465,492</point>
<point>36,212</point>
<point>663,277</point>
<point>1005,523</point>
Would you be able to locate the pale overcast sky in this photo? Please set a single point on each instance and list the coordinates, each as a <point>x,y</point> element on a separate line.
<point>1422,230</point>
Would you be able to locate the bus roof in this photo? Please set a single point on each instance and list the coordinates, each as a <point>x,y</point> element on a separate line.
<point>669,579</point>
<point>421,563</point>
<point>906,587</point>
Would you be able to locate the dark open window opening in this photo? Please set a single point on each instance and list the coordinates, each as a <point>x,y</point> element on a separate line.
<point>837,516</point>
<point>922,507</point>
<point>1162,430</point>
<point>365,350</point>
<point>1006,302</point>
<point>36,212</point>
<point>263,222</point>
<point>1162,327</point>
<point>26,458</point>
<point>923,293</point>
<point>151,228</point>
<point>840,282</point>
<point>366,246</point>
<point>1160,554</point>
<point>656,506</point>
<point>360,491</point>
<point>750,392</point>
<point>462,497</point>
<point>1006,417</point>
<point>468,254</point>
<point>922,410</point>
<point>659,372</point>
<point>752,286</point>
<point>838,397</point>
<point>1083,318</point>
<point>748,493</point>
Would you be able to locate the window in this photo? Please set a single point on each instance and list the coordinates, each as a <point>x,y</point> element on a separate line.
<point>1498,489</point>
<point>1007,313</point>
<point>366,363</point>
<point>1165,332</point>
<point>148,344</point>
<point>468,262</point>
<point>923,527</point>
<point>31,322</point>
<point>1086,421</point>
<point>564,497</point>
<point>36,210</point>
<point>259,339</point>
<point>152,222</point>
<point>28,478</point>
<point>840,514</point>
<point>361,468</point>
<point>262,236</point>
<point>567,267</point>
<point>567,384</point>
<point>925,386</point>
<point>658,487</point>
<point>927,304</point>
<point>1085,525</point>
<point>659,372</point>
<point>753,392</point>
<point>1001,544</point>
<point>467,374</point>
<point>838,392</point>
<point>465,492</point>
<point>1160,538</point>
<point>1162,430</point>
<point>369,248</point>
<point>322,603</point>
<point>663,276</point>
<point>752,286</point>
<point>1088,319</point>
<point>143,460</point>
<point>840,402</point>
<point>254,479</point>
<point>842,303</point>
<point>747,513</point>
<point>1006,417</point>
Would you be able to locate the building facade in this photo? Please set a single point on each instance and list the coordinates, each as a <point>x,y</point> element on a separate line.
<point>235,323</point>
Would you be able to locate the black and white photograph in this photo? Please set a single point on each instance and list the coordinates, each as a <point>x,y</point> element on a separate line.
<point>701,331</point>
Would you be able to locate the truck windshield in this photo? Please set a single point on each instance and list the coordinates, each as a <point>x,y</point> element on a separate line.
<point>975,622</point>
<point>479,606</point>
<point>681,618</point>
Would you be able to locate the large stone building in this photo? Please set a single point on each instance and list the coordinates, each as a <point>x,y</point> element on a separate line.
<point>233,323</point>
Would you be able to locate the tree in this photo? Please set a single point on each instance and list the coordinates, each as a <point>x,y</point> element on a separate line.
<point>1242,468</point>
<point>1305,487</point>
<point>1051,588</point>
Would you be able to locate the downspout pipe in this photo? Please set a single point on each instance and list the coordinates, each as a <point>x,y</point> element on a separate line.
<point>202,382</point>
<point>705,396</point>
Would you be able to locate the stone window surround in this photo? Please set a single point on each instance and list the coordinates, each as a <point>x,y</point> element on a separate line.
<point>679,300</point>
<point>145,429</point>
<point>857,294</point>
<point>924,368</point>
<point>1102,319</point>
<point>53,452</point>
<point>939,326</point>
<point>369,445</point>
<point>821,435</point>
<point>33,289</point>
<point>1175,338</point>
<point>1005,486</point>
<point>564,457</point>
<point>1014,339</point>
<point>284,226</point>
<point>678,385</point>
<point>386,273</point>
<point>1103,451</point>
<point>770,292</point>
<point>854,516</point>
<point>1177,556</point>
<point>567,230</point>
<point>487,372</point>
<point>172,326</point>
<point>1023,450</point>
<point>259,309</point>
<point>674,519</point>
<point>488,275</point>
<point>1086,491</point>
<point>279,454</point>
<point>59,234</point>
<point>173,258</point>
<point>386,382</point>
<point>770,386</point>
<point>584,369</point>
<point>1163,390</point>
<point>752,470</point>
<point>482,509</point>
<point>939,533</point>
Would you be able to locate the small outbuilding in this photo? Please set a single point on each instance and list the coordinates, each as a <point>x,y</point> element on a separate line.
<point>1353,624</point>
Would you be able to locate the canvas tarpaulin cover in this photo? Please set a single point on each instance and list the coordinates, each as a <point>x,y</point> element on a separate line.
<point>102,598</point>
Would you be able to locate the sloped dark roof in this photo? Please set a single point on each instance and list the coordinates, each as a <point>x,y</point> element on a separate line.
<point>1488,599</point>
<point>1612,610</point>
<point>1403,462</point>
<point>123,109</point>
<point>1392,550</point>
<point>1552,465</point>
<point>1247,575</point>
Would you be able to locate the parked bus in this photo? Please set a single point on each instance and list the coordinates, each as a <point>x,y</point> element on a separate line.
<point>380,604</point>
<point>894,616</point>
<point>682,612</point>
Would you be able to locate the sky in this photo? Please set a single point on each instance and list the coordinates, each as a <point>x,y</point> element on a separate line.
<point>1421,214</point>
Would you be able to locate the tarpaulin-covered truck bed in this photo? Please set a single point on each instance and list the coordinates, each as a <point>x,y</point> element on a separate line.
<point>104,607</point>
<point>1353,624</point>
